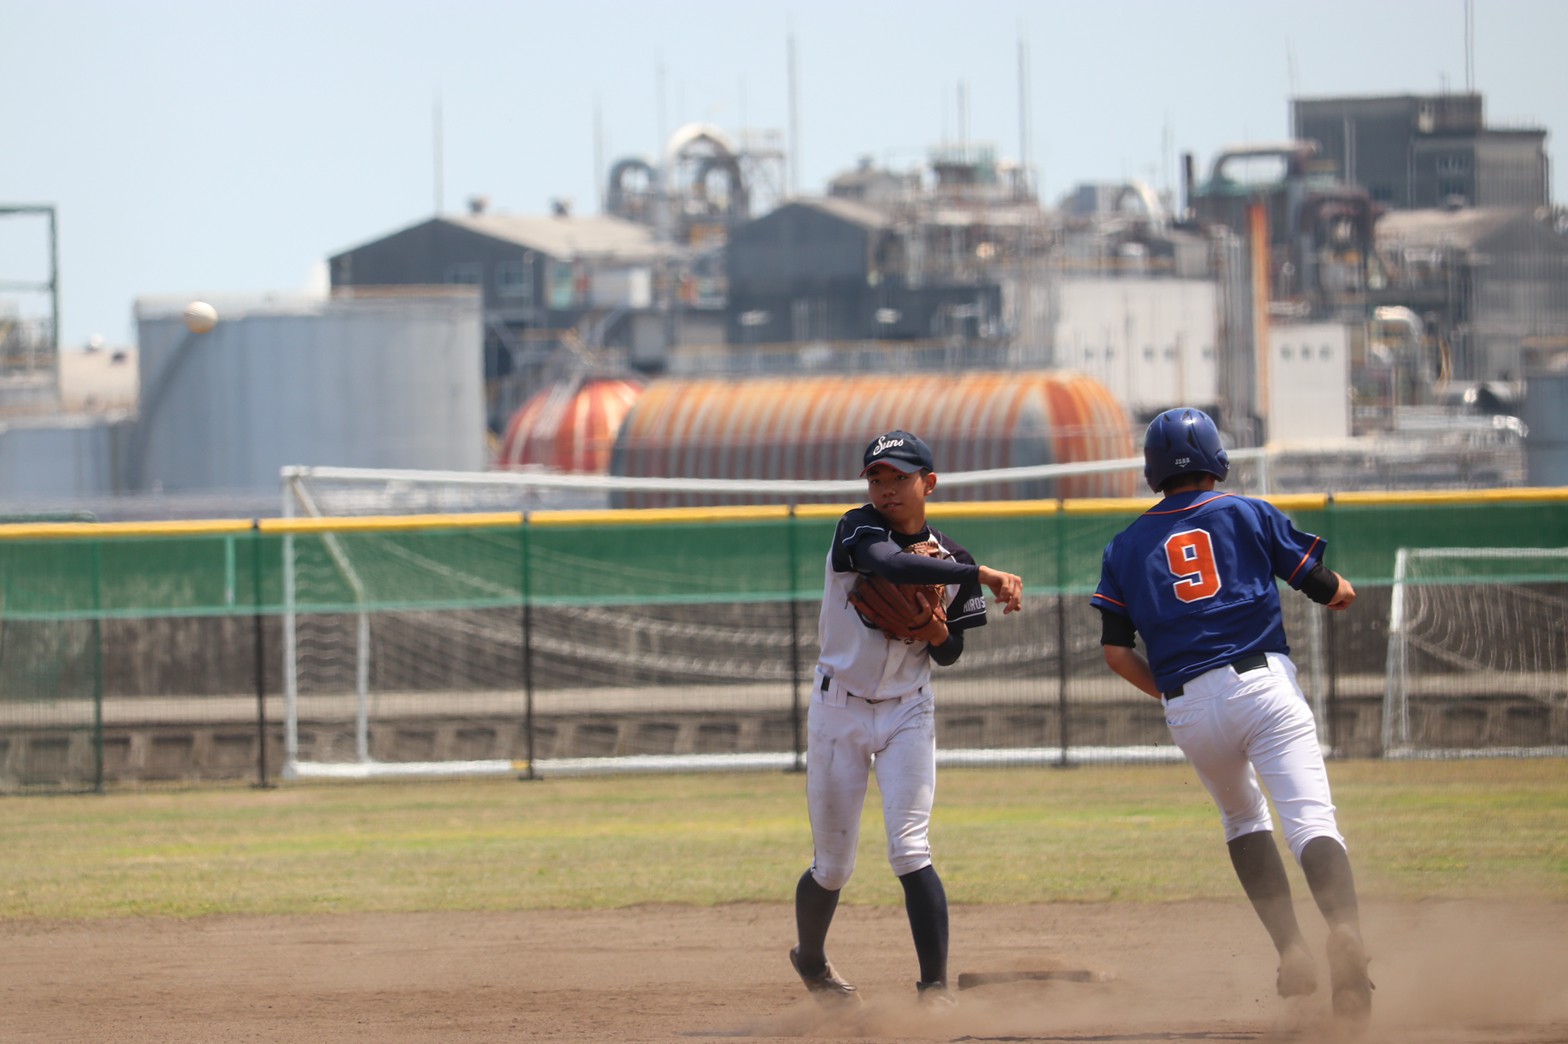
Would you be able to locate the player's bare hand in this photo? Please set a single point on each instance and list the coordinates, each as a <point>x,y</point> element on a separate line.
<point>933,631</point>
<point>1344,596</point>
<point>1007,587</point>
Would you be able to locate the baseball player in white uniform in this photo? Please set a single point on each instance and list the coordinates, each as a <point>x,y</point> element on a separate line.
<point>872,708</point>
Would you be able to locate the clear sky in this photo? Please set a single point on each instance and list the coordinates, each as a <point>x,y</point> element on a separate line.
<point>231,146</point>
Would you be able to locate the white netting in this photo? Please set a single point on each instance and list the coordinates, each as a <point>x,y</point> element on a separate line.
<point>339,492</point>
<point>413,652</point>
<point>1477,649</point>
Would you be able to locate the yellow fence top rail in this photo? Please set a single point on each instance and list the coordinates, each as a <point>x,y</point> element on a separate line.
<point>738,513</point>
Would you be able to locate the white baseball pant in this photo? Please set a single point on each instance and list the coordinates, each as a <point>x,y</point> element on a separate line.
<point>846,738</point>
<point>1238,728</point>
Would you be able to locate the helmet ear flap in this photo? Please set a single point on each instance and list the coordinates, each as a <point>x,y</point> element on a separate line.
<point>1156,451</point>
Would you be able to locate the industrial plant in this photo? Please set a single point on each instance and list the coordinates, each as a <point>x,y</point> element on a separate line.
<point>1388,284</point>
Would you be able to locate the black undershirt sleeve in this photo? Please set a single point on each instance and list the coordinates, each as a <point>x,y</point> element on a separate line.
<point>1321,584</point>
<point>1116,629</point>
<point>885,558</point>
<point>947,654</point>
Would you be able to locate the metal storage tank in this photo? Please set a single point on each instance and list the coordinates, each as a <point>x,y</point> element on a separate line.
<point>394,381</point>
<point>817,428</point>
<point>570,426</point>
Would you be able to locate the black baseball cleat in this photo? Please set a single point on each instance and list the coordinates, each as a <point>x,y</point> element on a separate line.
<point>824,985</point>
<point>1347,968</point>
<point>935,995</point>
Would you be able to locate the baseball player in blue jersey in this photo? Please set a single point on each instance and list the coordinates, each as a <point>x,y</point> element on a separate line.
<point>872,707</point>
<point>1195,575</point>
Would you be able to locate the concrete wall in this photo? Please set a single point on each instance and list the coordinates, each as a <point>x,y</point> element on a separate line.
<point>168,751</point>
<point>1546,415</point>
<point>1306,382</point>
<point>1153,342</point>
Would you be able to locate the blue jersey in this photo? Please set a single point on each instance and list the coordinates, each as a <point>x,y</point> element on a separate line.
<point>1196,576</point>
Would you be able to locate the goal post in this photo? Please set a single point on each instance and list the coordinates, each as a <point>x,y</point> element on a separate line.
<point>1477,659</point>
<point>301,498</point>
<point>383,621</point>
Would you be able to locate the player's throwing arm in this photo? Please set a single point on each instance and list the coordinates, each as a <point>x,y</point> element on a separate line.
<point>1009,588</point>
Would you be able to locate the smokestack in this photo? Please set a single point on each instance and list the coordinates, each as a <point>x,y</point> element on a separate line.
<point>1186,186</point>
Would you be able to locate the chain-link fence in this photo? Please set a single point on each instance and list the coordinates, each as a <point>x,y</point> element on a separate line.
<point>559,642</point>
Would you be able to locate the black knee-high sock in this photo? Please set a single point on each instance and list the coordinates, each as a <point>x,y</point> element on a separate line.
<point>1262,874</point>
<point>814,906</point>
<point>1326,866</point>
<point>925,900</point>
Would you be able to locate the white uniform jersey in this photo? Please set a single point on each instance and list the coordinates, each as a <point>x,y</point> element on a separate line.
<point>856,657</point>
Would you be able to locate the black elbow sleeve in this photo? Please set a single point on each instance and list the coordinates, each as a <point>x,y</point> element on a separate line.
<point>1321,584</point>
<point>1116,629</point>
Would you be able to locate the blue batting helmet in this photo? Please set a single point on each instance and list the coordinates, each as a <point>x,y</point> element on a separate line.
<point>1181,442</point>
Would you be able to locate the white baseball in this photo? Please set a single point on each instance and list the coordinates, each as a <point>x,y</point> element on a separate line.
<point>200,316</point>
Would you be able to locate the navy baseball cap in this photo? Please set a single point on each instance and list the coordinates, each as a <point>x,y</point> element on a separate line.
<point>900,449</point>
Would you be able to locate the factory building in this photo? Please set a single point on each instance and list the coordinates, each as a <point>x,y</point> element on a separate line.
<point>538,277</point>
<point>1487,283</point>
<point>1423,151</point>
<point>830,269</point>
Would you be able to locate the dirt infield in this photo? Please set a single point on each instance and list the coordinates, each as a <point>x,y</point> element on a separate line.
<point>1446,972</point>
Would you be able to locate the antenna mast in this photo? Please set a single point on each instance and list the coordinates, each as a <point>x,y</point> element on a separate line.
<point>599,173</point>
<point>1023,112</point>
<point>435,118</point>
<point>1469,46</point>
<point>794,121</point>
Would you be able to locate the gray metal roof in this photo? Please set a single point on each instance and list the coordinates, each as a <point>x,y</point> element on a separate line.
<point>847,210</point>
<point>1465,227</point>
<point>592,236</point>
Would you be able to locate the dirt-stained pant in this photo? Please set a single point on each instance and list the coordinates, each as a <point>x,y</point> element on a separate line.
<point>846,738</point>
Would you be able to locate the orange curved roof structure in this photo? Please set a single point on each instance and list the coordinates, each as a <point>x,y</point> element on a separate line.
<point>569,427</point>
<point>817,428</point>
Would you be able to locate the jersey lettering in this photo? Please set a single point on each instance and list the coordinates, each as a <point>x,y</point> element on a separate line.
<point>1190,556</point>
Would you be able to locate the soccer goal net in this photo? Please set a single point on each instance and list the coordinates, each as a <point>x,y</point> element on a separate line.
<point>1477,652</point>
<point>414,650</point>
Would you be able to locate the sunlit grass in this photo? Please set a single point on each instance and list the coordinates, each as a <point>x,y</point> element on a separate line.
<point>1135,834</point>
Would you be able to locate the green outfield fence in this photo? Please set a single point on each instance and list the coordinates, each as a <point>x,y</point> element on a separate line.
<point>560,642</point>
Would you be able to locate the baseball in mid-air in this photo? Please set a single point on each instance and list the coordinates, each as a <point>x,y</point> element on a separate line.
<point>200,316</point>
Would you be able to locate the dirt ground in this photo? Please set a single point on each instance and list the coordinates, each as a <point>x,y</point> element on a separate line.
<point>1445,972</point>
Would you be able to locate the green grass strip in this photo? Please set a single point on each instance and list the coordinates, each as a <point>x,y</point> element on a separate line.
<point>1145,834</point>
